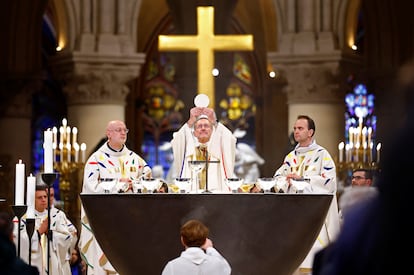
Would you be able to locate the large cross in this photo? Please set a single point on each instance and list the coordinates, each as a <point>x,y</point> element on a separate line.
<point>205,43</point>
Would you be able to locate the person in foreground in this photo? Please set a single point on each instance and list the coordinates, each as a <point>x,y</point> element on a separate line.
<point>111,169</point>
<point>202,133</point>
<point>377,234</point>
<point>309,168</point>
<point>199,256</point>
<point>10,264</point>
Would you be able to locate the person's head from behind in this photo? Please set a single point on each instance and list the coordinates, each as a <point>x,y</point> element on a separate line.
<point>116,132</point>
<point>194,233</point>
<point>41,197</point>
<point>6,225</point>
<point>203,128</point>
<point>303,130</point>
<point>362,177</point>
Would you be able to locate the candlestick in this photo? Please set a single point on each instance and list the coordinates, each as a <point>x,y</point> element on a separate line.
<point>347,158</point>
<point>48,151</point>
<point>19,195</point>
<point>351,133</point>
<point>30,198</point>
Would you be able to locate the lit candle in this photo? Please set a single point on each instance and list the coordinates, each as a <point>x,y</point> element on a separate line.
<point>48,151</point>
<point>356,152</point>
<point>76,147</point>
<point>19,195</point>
<point>378,152</point>
<point>364,134</point>
<point>68,147</point>
<point>68,135</point>
<point>341,151</point>
<point>351,133</point>
<point>30,198</point>
<point>74,132</point>
<point>347,152</point>
<point>364,146</point>
<point>371,146</point>
<point>54,130</point>
<point>369,135</point>
<point>61,134</point>
<point>61,151</point>
<point>83,150</point>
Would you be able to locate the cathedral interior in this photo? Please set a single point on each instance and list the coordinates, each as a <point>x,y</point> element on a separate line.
<point>86,62</point>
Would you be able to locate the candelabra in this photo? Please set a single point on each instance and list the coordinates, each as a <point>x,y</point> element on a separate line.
<point>357,153</point>
<point>69,160</point>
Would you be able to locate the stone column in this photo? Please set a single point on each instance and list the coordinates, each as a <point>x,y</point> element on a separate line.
<point>16,137</point>
<point>96,91</point>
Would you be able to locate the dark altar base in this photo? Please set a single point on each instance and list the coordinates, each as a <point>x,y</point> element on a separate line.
<point>257,233</point>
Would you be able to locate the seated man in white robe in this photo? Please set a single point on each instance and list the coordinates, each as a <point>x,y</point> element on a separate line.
<point>203,131</point>
<point>63,237</point>
<point>309,168</point>
<point>113,168</point>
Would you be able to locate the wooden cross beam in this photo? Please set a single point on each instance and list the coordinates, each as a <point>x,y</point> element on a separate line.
<point>205,43</point>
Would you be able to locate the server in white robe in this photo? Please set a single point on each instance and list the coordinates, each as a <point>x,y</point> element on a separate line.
<point>63,234</point>
<point>199,256</point>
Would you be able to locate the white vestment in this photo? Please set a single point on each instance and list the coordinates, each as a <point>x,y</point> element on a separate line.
<point>102,171</point>
<point>221,148</point>
<point>63,240</point>
<point>317,168</point>
<point>195,261</point>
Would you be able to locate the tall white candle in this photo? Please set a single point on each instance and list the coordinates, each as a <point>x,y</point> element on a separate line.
<point>48,151</point>
<point>68,147</point>
<point>30,198</point>
<point>19,195</point>
<point>74,133</point>
<point>371,146</point>
<point>83,151</point>
<point>341,151</point>
<point>76,147</point>
<point>378,152</point>
<point>364,146</point>
<point>68,135</point>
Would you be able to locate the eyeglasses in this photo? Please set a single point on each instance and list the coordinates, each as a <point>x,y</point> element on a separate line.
<point>358,178</point>
<point>200,126</point>
<point>119,130</point>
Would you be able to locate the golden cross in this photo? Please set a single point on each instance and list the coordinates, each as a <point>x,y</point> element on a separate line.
<point>205,42</point>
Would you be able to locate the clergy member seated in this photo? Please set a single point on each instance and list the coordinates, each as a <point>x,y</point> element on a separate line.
<point>200,138</point>
<point>199,257</point>
<point>111,169</point>
<point>61,242</point>
<point>309,168</point>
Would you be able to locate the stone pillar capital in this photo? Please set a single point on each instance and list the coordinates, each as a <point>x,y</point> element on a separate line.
<point>95,78</point>
<point>314,78</point>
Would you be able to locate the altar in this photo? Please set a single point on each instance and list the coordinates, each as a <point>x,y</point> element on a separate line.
<point>257,233</point>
